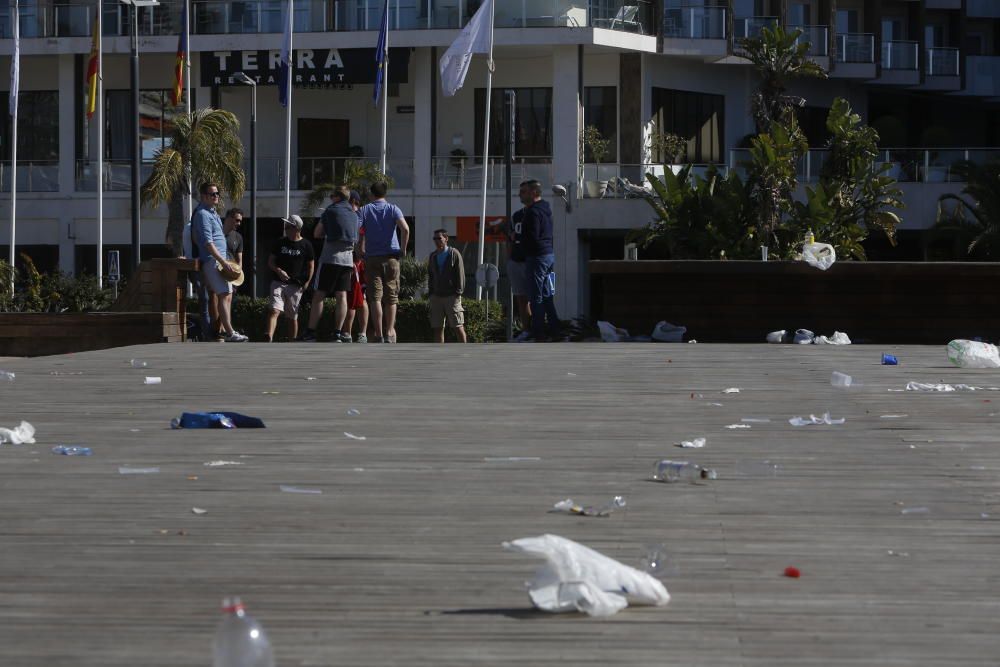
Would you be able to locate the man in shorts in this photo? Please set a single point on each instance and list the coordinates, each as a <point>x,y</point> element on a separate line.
<point>206,231</point>
<point>292,264</point>
<point>517,274</point>
<point>385,237</point>
<point>445,283</point>
<point>338,226</point>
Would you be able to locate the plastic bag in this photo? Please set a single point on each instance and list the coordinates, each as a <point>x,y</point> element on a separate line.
<point>610,333</point>
<point>838,338</point>
<point>577,578</point>
<point>665,332</point>
<point>820,255</point>
<point>23,434</point>
<point>973,354</point>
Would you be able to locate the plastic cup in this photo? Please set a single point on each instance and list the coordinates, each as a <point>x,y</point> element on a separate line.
<point>889,360</point>
<point>763,253</point>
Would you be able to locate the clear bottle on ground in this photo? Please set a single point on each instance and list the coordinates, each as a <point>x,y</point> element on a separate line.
<point>240,641</point>
<point>681,471</point>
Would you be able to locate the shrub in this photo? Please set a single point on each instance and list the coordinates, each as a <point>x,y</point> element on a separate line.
<point>36,292</point>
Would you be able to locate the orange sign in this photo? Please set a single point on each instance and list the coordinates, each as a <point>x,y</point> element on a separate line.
<point>468,229</point>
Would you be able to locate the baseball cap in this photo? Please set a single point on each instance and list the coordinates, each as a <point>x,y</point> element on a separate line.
<point>293,220</point>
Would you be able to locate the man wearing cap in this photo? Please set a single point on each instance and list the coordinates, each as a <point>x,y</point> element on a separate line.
<point>338,226</point>
<point>292,264</point>
<point>385,237</point>
<point>207,232</point>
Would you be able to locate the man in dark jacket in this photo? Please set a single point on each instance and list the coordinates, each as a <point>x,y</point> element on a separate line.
<point>446,282</point>
<point>540,261</point>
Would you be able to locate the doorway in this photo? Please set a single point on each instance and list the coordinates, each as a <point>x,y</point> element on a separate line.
<point>323,145</point>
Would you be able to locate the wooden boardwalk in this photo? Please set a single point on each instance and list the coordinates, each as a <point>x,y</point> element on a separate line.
<point>398,561</point>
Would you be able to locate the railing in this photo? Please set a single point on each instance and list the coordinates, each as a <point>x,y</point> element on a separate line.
<point>942,62</point>
<point>750,26</point>
<point>694,22</point>
<point>856,48</point>
<point>310,172</point>
<point>32,176</point>
<point>628,181</point>
<point>466,173</point>
<point>898,55</point>
<point>627,15</point>
<point>817,36</point>
<point>117,175</point>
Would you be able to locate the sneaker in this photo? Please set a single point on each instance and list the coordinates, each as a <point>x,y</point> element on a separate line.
<point>236,337</point>
<point>308,336</point>
<point>377,339</point>
<point>266,338</point>
<point>522,337</point>
<point>390,339</point>
<point>362,338</point>
<point>345,337</point>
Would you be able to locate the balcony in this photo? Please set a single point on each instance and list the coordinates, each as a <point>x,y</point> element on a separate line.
<point>900,63</point>
<point>313,171</point>
<point>32,176</point>
<point>817,36</point>
<point>855,56</point>
<point>467,173</point>
<point>942,69</point>
<point>117,175</point>
<point>750,26</point>
<point>982,9</point>
<point>695,31</point>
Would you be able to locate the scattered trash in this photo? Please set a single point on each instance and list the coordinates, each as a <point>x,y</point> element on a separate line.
<point>153,380</point>
<point>776,336</point>
<point>925,386</point>
<point>693,341</point>
<point>843,380</point>
<point>820,255</point>
<point>731,390</point>
<point>298,489</point>
<point>192,478</point>
<point>199,511</point>
<point>72,450</point>
<point>137,363</point>
<point>215,420</point>
<point>803,337</point>
<point>813,419</point>
<point>221,464</point>
<point>570,507</point>
<point>355,437</point>
<point>353,412</point>
<point>973,354</point>
<point>22,434</point>
<point>669,471</point>
<point>240,641</point>
<point>665,332</point>
<point>610,333</point>
<point>716,405</point>
<point>128,470</point>
<point>696,443</point>
<point>577,578</point>
<point>656,561</point>
<point>755,420</point>
<point>892,416</point>
<point>571,374</point>
<point>65,372</point>
<point>792,572</point>
<point>270,393</point>
<point>889,360</point>
<point>512,458</point>
<point>733,427</point>
<point>7,375</point>
<point>898,554</point>
<point>915,510</point>
<point>838,338</point>
<point>309,379</point>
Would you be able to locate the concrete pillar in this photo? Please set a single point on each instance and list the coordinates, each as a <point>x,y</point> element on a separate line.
<point>566,106</point>
<point>424,91</point>
<point>68,87</point>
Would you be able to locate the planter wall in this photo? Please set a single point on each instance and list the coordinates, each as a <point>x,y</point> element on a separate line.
<point>37,334</point>
<point>873,302</point>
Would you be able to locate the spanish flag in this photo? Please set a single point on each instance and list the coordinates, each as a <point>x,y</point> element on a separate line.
<point>93,67</point>
<point>177,94</point>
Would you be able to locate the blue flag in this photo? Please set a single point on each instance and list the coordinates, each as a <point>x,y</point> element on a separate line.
<point>382,53</point>
<point>285,73</point>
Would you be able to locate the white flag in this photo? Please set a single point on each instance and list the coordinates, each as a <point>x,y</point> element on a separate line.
<point>476,37</point>
<point>15,61</point>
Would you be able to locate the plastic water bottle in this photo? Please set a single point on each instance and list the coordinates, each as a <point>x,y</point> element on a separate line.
<point>810,237</point>
<point>138,363</point>
<point>6,375</point>
<point>72,450</point>
<point>681,471</point>
<point>973,354</point>
<point>240,641</point>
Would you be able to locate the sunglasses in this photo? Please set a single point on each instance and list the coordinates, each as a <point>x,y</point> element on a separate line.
<point>214,194</point>
<point>440,238</point>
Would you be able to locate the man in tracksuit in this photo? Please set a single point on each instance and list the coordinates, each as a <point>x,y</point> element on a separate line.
<point>539,261</point>
<point>446,282</point>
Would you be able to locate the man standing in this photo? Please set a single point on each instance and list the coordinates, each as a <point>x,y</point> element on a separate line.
<point>517,274</point>
<point>539,260</point>
<point>292,264</point>
<point>234,240</point>
<point>206,231</point>
<point>446,282</point>
<point>382,248</point>
<point>339,227</point>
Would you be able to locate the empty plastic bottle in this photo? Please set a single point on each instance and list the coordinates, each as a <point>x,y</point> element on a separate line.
<point>240,641</point>
<point>973,354</point>
<point>6,375</point>
<point>138,363</point>
<point>681,471</point>
<point>72,450</point>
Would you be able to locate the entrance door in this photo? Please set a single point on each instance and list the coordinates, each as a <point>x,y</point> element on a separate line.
<point>323,147</point>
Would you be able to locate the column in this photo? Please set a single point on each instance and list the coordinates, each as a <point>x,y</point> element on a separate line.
<point>566,126</point>
<point>69,87</point>
<point>424,92</point>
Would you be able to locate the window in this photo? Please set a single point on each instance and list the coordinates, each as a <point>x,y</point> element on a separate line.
<point>799,14</point>
<point>812,122</point>
<point>532,122</point>
<point>697,117</point>
<point>600,109</point>
<point>156,115</point>
<point>848,21</point>
<point>37,126</point>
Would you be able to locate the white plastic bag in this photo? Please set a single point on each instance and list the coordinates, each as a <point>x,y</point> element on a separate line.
<point>610,333</point>
<point>973,354</point>
<point>820,255</point>
<point>838,338</point>
<point>577,578</point>
<point>776,336</point>
<point>665,332</point>
<point>24,434</point>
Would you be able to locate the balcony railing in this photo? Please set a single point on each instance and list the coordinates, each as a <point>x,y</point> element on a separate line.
<point>942,62</point>
<point>856,48</point>
<point>817,36</point>
<point>313,171</point>
<point>466,173</point>
<point>898,55</point>
<point>32,176</point>
<point>750,26</point>
<point>694,22</point>
<point>628,181</point>
<point>117,175</point>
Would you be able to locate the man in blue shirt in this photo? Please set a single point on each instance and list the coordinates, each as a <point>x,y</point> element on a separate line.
<point>384,242</point>
<point>540,261</point>
<point>207,233</point>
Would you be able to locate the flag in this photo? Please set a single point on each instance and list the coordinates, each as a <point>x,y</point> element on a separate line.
<point>476,37</point>
<point>177,94</point>
<point>285,73</point>
<point>382,52</point>
<point>15,61</point>
<point>93,67</point>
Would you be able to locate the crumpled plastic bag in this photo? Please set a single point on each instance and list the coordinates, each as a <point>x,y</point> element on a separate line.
<point>577,578</point>
<point>973,354</point>
<point>571,507</point>
<point>813,419</point>
<point>611,334</point>
<point>820,255</point>
<point>838,338</point>
<point>23,434</point>
<point>927,386</point>
<point>665,332</point>
<point>776,336</point>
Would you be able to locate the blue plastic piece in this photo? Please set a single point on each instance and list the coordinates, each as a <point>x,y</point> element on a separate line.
<point>217,420</point>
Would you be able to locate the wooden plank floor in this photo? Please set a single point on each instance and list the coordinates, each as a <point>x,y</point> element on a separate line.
<point>399,560</point>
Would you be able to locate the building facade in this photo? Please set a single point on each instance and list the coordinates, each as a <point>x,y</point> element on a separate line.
<point>924,73</point>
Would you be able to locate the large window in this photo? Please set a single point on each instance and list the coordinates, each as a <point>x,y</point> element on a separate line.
<point>156,115</point>
<point>600,109</point>
<point>697,117</point>
<point>37,126</point>
<point>533,122</point>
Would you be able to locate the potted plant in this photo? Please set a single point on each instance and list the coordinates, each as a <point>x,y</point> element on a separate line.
<point>598,146</point>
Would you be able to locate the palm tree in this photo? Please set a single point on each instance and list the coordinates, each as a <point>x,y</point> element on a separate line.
<point>978,219</point>
<point>358,175</point>
<point>209,141</point>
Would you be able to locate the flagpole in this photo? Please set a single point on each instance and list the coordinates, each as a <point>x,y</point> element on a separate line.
<point>486,154</point>
<point>15,84</point>
<point>385,94</point>
<point>100,142</point>
<point>288,110</point>
<point>189,209</point>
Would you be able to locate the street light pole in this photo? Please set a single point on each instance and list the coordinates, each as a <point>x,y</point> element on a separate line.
<point>240,77</point>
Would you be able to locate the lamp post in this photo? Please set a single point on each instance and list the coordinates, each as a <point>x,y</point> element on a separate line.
<point>134,6</point>
<point>240,77</point>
